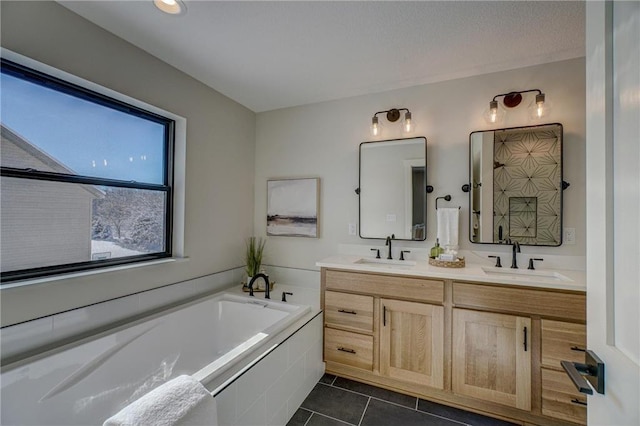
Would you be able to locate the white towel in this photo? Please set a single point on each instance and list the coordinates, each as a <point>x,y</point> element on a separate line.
<point>181,401</point>
<point>448,218</point>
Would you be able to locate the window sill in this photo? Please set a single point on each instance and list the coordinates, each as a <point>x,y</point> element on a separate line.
<point>93,272</point>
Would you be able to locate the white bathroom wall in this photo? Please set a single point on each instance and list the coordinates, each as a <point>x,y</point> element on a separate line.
<point>219,154</point>
<point>321,140</point>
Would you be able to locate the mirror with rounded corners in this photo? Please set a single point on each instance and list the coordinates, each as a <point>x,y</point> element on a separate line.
<point>393,182</point>
<point>516,186</point>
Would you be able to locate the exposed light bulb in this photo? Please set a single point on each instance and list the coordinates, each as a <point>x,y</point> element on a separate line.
<point>493,111</point>
<point>408,125</point>
<point>169,2</point>
<point>494,114</point>
<point>376,128</point>
<point>539,108</point>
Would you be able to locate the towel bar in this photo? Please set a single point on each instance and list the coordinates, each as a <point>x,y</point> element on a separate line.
<point>446,198</point>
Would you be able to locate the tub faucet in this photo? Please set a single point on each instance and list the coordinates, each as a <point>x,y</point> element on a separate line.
<point>388,243</point>
<point>266,287</point>
<point>515,248</point>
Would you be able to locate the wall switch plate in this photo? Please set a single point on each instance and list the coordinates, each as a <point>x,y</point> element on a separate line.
<point>352,229</point>
<point>569,236</point>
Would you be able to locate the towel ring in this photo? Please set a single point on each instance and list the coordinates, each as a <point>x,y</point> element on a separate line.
<point>446,198</point>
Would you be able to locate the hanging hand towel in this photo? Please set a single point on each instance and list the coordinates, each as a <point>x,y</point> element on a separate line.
<point>448,226</point>
<point>181,401</point>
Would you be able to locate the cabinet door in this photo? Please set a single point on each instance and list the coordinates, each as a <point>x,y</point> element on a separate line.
<point>412,342</point>
<point>492,357</point>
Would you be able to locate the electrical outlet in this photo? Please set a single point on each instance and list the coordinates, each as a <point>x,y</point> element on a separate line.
<point>569,236</point>
<point>352,229</point>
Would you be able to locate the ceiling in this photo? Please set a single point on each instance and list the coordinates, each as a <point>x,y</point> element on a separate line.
<point>274,54</point>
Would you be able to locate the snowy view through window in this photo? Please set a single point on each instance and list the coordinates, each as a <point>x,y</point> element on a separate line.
<point>127,222</point>
<point>82,180</point>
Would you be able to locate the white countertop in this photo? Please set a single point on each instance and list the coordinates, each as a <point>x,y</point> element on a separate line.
<point>541,278</point>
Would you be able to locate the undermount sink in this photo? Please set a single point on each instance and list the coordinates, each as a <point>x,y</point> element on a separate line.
<point>386,263</point>
<point>526,274</point>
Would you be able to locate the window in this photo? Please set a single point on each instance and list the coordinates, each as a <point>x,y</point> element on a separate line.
<point>86,179</point>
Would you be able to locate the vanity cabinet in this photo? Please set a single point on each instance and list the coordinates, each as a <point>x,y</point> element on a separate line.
<point>489,348</point>
<point>492,357</point>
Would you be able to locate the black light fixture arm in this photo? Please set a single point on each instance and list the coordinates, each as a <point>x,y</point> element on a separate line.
<point>393,114</point>
<point>495,98</point>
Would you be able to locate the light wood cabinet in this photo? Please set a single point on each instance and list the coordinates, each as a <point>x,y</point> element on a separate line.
<point>349,348</point>
<point>560,399</point>
<point>458,343</point>
<point>412,342</point>
<point>492,357</point>
<point>562,341</point>
<point>350,311</point>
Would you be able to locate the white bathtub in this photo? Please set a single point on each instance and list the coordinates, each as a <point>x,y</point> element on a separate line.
<point>85,383</point>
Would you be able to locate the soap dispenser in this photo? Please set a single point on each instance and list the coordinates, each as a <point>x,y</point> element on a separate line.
<point>436,250</point>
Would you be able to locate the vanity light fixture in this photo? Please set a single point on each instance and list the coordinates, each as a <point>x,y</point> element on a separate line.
<point>537,109</point>
<point>408,124</point>
<point>172,7</point>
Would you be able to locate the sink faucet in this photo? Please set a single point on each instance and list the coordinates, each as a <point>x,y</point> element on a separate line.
<point>266,287</point>
<point>515,248</point>
<point>388,243</point>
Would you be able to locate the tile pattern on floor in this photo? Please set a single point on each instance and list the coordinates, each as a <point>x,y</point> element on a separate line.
<point>336,401</point>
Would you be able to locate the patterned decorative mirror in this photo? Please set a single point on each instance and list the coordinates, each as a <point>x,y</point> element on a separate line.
<point>516,185</point>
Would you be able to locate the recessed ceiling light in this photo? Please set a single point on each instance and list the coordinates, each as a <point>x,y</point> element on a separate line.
<point>172,7</point>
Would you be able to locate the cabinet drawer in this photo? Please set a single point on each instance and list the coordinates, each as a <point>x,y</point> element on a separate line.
<point>411,288</point>
<point>352,311</point>
<point>560,399</point>
<point>562,341</point>
<point>521,301</point>
<point>348,348</point>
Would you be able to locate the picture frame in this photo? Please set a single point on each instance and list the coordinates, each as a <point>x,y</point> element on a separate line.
<point>292,207</point>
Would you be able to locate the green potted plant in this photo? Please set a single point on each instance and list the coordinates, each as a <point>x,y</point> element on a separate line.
<point>253,256</point>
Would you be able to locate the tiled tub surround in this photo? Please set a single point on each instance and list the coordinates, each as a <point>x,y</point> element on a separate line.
<point>272,390</point>
<point>292,357</point>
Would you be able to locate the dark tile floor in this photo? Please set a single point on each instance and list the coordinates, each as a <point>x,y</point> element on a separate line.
<point>336,401</point>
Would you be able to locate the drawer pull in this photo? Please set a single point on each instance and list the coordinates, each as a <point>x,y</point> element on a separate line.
<point>347,312</point>
<point>384,316</point>
<point>577,401</point>
<point>577,349</point>
<point>351,351</point>
<point>525,339</point>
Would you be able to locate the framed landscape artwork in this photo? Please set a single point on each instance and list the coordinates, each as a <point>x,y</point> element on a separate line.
<point>292,207</point>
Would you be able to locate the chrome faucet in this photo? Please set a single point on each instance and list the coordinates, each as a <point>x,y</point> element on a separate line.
<point>388,243</point>
<point>515,248</point>
<point>266,287</point>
